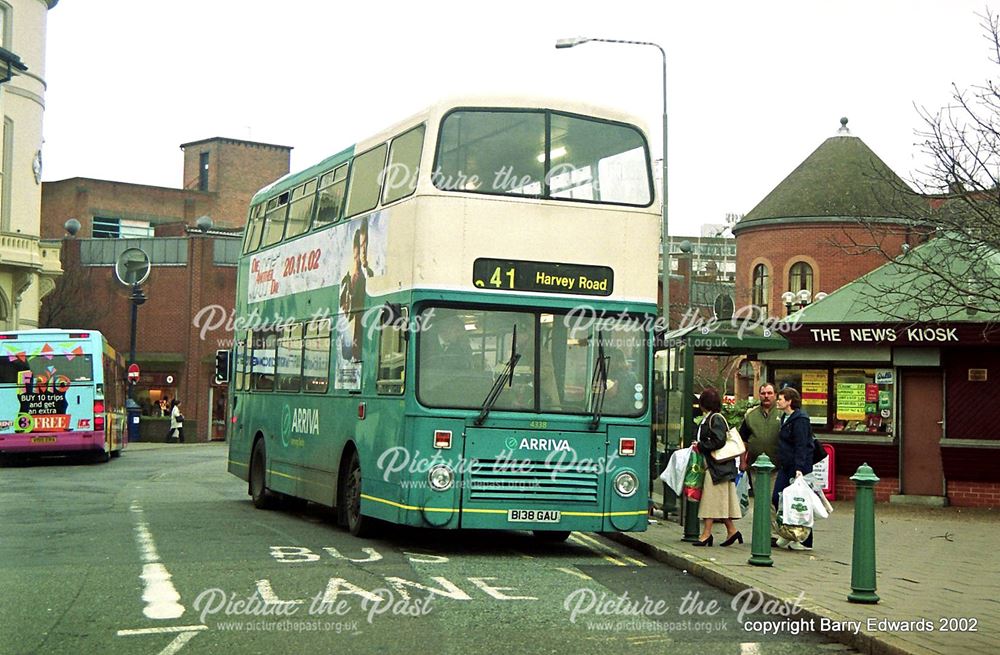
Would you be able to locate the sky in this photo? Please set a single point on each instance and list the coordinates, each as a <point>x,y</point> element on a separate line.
<point>753,87</point>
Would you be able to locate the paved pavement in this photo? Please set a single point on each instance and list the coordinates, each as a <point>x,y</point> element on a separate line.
<point>932,563</point>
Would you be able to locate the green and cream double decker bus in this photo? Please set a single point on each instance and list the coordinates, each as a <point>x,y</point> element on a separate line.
<point>447,325</point>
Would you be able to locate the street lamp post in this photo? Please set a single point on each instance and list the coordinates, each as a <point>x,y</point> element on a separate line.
<point>664,248</point>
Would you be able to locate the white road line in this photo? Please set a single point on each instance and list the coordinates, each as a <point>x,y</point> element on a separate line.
<point>159,594</point>
<point>161,631</point>
<point>178,643</point>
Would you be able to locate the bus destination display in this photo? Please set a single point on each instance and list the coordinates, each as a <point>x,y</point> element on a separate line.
<point>544,277</point>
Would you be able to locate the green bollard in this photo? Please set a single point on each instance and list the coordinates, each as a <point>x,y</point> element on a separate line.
<point>692,527</point>
<point>760,544</point>
<point>863,560</point>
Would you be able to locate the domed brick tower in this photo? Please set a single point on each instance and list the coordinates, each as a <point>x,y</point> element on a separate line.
<point>810,233</point>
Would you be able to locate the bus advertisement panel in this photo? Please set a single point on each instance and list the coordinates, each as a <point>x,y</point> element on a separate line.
<point>60,392</point>
<point>448,325</point>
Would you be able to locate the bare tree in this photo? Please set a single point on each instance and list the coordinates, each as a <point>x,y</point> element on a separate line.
<point>69,304</point>
<point>955,203</point>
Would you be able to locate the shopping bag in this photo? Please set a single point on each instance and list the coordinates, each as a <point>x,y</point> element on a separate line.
<point>743,492</point>
<point>694,476</point>
<point>734,446</point>
<point>673,475</point>
<point>797,503</point>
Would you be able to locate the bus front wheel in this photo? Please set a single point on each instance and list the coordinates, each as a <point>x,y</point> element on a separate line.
<point>259,493</point>
<point>357,524</point>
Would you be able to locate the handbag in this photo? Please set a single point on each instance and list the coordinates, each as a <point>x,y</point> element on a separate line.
<point>734,446</point>
<point>819,452</point>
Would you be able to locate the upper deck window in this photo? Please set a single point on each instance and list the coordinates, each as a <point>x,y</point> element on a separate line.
<point>542,154</point>
<point>365,184</point>
<point>404,162</point>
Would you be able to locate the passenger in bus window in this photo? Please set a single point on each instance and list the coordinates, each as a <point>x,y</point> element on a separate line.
<point>450,344</point>
<point>623,384</point>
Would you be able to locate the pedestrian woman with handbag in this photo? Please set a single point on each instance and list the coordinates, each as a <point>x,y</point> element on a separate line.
<point>795,451</point>
<point>176,422</point>
<point>719,500</point>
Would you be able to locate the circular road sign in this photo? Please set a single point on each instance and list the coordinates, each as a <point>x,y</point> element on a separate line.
<point>133,372</point>
<point>132,267</point>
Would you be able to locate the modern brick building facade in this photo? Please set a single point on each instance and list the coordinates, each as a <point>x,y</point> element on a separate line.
<point>192,283</point>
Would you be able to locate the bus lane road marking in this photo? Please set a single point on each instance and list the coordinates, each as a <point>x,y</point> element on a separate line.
<point>618,558</point>
<point>185,634</point>
<point>159,595</point>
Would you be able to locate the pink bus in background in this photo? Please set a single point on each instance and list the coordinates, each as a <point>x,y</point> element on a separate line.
<point>61,392</point>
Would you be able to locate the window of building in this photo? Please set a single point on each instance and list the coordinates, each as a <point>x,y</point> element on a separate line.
<point>120,228</point>
<point>365,184</point>
<point>203,171</point>
<point>800,276</point>
<point>6,156</point>
<point>841,399</point>
<point>105,228</point>
<point>316,356</point>
<point>5,25</point>
<point>759,288</point>
<point>404,163</point>
<point>332,187</point>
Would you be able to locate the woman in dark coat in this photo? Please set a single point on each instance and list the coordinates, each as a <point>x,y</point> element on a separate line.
<point>719,501</point>
<point>795,447</point>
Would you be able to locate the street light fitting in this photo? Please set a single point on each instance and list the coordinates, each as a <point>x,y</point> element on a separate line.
<point>570,42</point>
<point>664,236</point>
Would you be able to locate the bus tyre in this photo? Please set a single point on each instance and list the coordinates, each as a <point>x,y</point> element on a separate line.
<point>357,524</point>
<point>552,536</point>
<point>259,493</point>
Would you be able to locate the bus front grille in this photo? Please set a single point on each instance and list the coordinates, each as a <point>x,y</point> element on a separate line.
<point>503,480</point>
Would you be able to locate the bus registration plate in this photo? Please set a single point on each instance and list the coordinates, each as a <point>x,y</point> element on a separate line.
<point>43,440</point>
<point>532,516</point>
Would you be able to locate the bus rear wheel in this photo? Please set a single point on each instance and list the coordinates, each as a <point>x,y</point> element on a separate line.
<point>259,493</point>
<point>357,524</point>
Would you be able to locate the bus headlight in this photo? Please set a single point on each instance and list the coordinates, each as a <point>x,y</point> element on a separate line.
<point>441,477</point>
<point>626,484</point>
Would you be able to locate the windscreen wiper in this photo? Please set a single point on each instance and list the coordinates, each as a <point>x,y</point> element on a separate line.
<point>599,383</point>
<point>505,377</point>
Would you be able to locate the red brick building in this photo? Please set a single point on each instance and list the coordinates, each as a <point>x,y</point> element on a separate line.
<point>192,284</point>
<point>885,382</point>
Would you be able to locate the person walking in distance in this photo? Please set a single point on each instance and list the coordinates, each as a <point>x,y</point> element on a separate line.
<point>176,422</point>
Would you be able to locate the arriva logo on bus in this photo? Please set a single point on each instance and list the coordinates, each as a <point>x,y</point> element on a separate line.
<point>554,445</point>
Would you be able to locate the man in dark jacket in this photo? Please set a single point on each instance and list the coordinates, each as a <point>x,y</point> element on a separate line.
<point>795,445</point>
